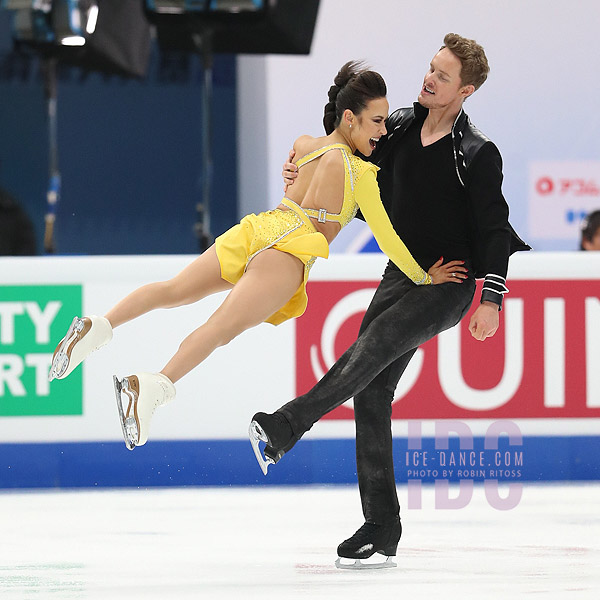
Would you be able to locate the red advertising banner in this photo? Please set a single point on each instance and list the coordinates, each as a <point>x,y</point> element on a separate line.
<point>544,361</point>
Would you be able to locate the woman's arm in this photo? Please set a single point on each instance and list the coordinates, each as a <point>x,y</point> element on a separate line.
<point>367,197</point>
<point>366,193</point>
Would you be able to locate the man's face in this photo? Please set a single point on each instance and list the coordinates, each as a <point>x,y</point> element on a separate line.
<point>442,86</point>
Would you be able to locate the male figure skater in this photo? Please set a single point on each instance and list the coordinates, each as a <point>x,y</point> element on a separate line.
<point>440,180</point>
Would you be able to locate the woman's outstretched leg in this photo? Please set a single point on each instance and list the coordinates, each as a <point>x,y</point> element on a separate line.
<point>199,279</point>
<point>85,335</point>
<point>270,280</point>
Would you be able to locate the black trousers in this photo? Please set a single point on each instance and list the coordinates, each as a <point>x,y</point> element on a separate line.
<point>400,318</point>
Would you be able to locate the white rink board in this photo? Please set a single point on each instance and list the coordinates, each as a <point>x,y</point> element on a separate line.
<point>212,402</point>
<point>255,372</point>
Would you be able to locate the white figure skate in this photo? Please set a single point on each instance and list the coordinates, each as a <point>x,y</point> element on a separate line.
<point>142,393</point>
<point>83,337</point>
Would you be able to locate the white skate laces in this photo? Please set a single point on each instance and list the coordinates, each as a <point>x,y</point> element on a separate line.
<point>83,337</point>
<point>138,396</point>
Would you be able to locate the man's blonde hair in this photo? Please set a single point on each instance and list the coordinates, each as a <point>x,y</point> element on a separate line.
<point>475,67</point>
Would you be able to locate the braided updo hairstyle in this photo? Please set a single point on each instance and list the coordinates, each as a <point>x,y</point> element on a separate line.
<point>352,88</point>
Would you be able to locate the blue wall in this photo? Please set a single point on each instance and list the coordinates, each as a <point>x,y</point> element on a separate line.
<point>232,462</point>
<point>130,152</point>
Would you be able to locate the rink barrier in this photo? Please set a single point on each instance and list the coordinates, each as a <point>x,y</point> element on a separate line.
<point>232,463</point>
<point>539,376</point>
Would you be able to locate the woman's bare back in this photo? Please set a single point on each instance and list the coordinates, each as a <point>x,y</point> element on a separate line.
<point>320,182</point>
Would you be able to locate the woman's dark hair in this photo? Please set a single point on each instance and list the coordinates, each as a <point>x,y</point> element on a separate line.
<point>589,227</point>
<point>352,88</point>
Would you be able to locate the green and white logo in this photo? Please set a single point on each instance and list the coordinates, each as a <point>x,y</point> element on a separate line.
<point>33,319</point>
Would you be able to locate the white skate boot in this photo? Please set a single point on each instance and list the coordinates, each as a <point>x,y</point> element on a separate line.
<point>83,337</point>
<point>142,392</point>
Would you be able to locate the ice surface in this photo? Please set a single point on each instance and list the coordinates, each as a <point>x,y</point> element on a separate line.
<point>280,543</point>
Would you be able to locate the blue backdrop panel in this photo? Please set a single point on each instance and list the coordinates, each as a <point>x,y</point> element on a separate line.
<point>130,152</point>
<point>231,462</point>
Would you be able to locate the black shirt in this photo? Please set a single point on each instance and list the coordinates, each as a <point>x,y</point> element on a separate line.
<point>447,200</point>
<point>424,183</point>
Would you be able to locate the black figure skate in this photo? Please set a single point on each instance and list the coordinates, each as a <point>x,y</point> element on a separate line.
<point>276,431</point>
<point>370,539</point>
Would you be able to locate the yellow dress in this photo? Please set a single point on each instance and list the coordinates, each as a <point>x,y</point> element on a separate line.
<point>292,231</point>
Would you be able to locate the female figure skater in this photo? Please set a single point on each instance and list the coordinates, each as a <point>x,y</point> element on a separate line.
<point>266,258</point>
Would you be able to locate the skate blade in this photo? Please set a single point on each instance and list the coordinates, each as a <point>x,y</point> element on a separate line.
<point>60,362</point>
<point>128,424</point>
<point>358,564</point>
<point>256,434</point>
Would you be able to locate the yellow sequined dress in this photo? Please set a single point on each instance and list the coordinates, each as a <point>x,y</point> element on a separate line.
<point>292,231</point>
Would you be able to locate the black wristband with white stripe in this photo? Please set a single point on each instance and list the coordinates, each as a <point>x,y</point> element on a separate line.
<point>494,288</point>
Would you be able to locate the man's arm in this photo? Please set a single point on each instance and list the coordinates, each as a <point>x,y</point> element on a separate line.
<point>489,214</point>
